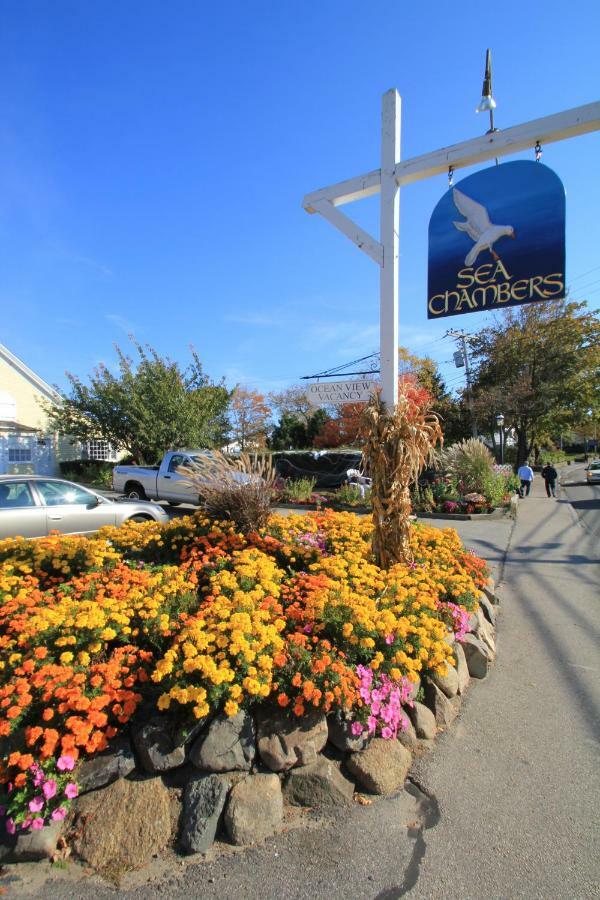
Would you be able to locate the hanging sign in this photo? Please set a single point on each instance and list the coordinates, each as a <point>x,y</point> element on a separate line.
<point>328,393</point>
<point>496,240</point>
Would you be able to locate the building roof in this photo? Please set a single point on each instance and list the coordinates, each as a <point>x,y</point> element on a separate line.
<point>11,425</point>
<point>27,373</point>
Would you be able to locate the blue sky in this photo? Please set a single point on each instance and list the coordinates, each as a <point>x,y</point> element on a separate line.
<point>154,155</point>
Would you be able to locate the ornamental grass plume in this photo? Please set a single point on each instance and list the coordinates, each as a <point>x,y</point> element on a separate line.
<point>397,447</point>
<point>235,489</point>
<point>470,463</point>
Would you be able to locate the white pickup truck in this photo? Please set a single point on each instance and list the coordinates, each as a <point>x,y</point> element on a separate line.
<point>162,482</point>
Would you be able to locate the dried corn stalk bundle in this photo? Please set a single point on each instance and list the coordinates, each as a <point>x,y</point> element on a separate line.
<point>397,447</point>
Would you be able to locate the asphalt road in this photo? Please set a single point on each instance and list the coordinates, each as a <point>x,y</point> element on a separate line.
<point>584,497</point>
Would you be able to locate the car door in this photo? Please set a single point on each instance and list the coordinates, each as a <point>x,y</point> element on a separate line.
<point>72,509</point>
<point>172,485</point>
<point>20,515</point>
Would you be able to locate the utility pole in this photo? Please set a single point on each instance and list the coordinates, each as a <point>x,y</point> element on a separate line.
<point>461,337</point>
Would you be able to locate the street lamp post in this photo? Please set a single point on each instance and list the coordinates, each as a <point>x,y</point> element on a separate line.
<point>500,424</point>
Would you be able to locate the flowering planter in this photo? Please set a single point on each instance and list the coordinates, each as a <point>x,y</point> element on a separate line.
<point>497,513</point>
<point>337,507</point>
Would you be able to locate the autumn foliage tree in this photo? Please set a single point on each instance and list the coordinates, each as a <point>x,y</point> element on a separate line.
<point>540,367</point>
<point>249,416</point>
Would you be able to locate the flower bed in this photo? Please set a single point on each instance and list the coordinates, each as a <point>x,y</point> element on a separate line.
<point>190,619</point>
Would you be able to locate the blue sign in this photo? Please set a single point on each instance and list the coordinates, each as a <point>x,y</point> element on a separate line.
<point>496,240</point>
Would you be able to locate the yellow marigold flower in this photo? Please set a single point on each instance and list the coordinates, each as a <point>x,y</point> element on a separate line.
<point>231,708</point>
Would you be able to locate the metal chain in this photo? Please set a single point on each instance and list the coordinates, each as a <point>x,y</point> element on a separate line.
<point>450,176</point>
<point>538,151</point>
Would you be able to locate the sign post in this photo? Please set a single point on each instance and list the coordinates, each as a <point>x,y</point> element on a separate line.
<point>393,174</point>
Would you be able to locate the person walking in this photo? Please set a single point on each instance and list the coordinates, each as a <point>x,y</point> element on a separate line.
<point>525,475</point>
<point>549,474</point>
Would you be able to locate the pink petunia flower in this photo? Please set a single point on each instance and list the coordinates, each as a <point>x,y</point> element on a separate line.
<point>356,728</point>
<point>58,814</point>
<point>49,789</point>
<point>36,804</point>
<point>37,824</point>
<point>71,790</point>
<point>386,733</point>
<point>65,763</point>
<point>10,826</point>
<point>390,639</point>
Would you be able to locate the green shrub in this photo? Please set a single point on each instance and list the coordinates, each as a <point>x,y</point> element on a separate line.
<point>351,495</point>
<point>299,490</point>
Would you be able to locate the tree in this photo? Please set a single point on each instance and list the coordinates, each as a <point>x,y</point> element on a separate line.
<point>148,408</point>
<point>343,430</point>
<point>293,402</point>
<point>293,433</point>
<point>540,367</point>
<point>249,417</point>
<point>452,412</point>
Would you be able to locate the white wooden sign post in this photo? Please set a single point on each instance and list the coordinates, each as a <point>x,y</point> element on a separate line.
<point>393,174</point>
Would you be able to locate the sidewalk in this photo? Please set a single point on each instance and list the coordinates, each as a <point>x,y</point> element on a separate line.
<point>518,778</point>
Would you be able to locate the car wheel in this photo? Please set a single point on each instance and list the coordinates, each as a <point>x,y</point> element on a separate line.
<point>140,518</point>
<point>134,491</point>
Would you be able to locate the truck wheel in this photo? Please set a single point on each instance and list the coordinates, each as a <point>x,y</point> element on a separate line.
<point>134,491</point>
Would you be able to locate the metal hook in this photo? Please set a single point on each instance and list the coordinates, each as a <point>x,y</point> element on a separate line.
<point>538,151</point>
<point>450,176</point>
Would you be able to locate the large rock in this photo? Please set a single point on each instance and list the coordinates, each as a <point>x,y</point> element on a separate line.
<point>319,784</point>
<point>31,846</point>
<point>477,655</point>
<point>407,735</point>
<point>443,708</point>
<point>414,687</point>
<point>382,768</point>
<point>229,744</point>
<point>423,720</point>
<point>488,609</point>
<point>448,682</point>
<point>158,746</point>
<point>122,826</point>
<point>285,741</point>
<point>203,803</point>
<point>255,809</point>
<point>485,632</point>
<point>340,735</point>
<point>462,670</point>
<point>490,592</point>
<point>101,770</point>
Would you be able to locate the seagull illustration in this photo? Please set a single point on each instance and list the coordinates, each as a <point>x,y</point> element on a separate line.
<point>478,226</point>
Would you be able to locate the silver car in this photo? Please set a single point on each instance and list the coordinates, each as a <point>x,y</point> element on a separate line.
<point>33,505</point>
<point>592,473</point>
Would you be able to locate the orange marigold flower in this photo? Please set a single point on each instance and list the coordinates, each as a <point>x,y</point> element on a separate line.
<point>33,735</point>
<point>283,700</point>
<point>13,712</point>
<point>25,761</point>
<point>20,780</point>
<point>48,714</point>
<point>40,652</point>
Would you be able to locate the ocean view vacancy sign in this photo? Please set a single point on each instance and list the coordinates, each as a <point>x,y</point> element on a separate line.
<point>328,393</point>
<point>497,239</point>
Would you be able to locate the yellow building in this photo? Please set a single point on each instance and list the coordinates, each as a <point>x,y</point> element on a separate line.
<point>26,444</point>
